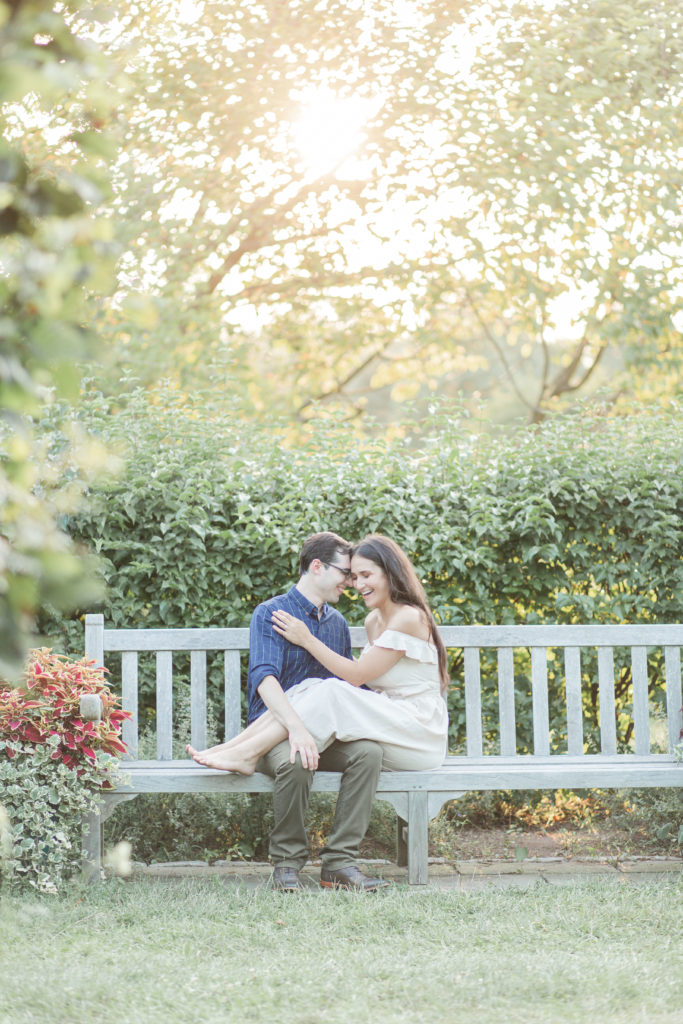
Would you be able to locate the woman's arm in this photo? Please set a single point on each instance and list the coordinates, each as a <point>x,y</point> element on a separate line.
<point>373,663</point>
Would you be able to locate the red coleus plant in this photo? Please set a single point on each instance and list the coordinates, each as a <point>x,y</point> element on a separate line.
<point>49,705</point>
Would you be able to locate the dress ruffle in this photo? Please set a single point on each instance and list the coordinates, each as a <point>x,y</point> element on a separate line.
<point>414,647</point>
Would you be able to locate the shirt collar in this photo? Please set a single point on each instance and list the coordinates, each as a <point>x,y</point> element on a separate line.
<point>307,607</point>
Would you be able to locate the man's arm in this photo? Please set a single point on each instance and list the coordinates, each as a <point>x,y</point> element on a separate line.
<point>300,739</point>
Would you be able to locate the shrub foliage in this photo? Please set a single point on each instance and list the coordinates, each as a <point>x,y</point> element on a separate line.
<point>576,521</point>
<point>52,766</point>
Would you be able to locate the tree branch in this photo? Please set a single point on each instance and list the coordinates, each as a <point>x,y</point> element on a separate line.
<point>261,227</point>
<point>503,358</point>
<point>339,387</point>
<point>546,363</point>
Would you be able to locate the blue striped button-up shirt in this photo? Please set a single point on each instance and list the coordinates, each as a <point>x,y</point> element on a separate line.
<point>272,655</point>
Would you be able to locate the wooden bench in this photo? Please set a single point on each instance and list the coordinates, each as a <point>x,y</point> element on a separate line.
<point>418,796</point>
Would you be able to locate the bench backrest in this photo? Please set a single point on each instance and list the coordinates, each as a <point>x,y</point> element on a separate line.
<point>473,644</point>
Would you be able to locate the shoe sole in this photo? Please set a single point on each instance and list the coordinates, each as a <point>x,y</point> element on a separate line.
<point>352,888</point>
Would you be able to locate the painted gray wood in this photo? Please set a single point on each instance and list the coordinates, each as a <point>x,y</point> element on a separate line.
<point>110,802</point>
<point>91,847</point>
<point>401,844</point>
<point>217,639</point>
<point>457,775</point>
<point>539,694</point>
<point>418,796</point>
<point>563,636</point>
<point>418,823</point>
<point>176,639</point>
<point>506,701</point>
<point>232,694</point>
<point>672,660</point>
<point>164,705</point>
<point>608,722</point>
<point>436,800</point>
<point>198,699</point>
<point>399,801</point>
<point>641,713</point>
<point>94,638</point>
<point>572,671</point>
<point>90,707</point>
<point>129,701</point>
<point>473,701</point>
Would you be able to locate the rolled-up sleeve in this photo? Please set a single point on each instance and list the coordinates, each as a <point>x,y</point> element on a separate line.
<point>266,650</point>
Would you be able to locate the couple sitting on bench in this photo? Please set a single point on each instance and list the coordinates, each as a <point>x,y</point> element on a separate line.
<point>308,697</point>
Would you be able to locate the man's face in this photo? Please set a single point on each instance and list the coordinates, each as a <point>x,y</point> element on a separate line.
<point>335,577</point>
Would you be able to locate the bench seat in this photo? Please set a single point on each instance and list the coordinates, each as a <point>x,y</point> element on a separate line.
<point>560,771</point>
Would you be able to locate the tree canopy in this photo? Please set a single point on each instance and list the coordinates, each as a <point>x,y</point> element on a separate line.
<point>320,203</point>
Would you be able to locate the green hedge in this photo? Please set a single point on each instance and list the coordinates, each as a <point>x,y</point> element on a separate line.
<point>577,521</point>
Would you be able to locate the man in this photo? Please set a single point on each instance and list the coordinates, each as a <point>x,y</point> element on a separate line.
<point>276,665</point>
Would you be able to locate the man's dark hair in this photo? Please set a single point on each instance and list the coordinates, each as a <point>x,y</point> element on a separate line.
<point>324,546</point>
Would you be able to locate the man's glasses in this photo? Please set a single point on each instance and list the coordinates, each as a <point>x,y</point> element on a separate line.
<point>347,574</point>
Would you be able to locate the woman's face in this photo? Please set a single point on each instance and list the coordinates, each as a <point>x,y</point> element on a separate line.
<point>369,580</point>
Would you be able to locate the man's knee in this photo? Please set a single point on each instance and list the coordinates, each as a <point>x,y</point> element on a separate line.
<point>293,774</point>
<point>277,764</point>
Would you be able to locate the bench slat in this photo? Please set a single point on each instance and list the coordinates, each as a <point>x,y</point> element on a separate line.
<point>473,701</point>
<point>650,635</point>
<point>209,639</point>
<point>232,694</point>
<point>506,701</point>
<point>539,692</point>
<point>198,699</point>
<point>99,640</point>
<point>129,701</point>
<point>672,660</point>
<point>456,775</point>
<point>608,721</point>
<point>164,705</point>
<point>94,638</point>
<point>572,672</point>
<point>641,714</point>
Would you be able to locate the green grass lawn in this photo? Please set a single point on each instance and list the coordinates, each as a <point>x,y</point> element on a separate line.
<point>204,952</point>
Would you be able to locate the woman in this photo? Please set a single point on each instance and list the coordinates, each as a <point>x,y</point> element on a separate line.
<point>404,664</point>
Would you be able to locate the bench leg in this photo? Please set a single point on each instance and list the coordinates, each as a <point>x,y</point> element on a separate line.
<point>401,841</point>
<point>418,824</point>
<point>91,846</point>
<point>414,810</point>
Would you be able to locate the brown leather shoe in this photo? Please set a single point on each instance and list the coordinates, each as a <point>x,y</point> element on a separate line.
<point>286,879</point>
<point>351,877</point>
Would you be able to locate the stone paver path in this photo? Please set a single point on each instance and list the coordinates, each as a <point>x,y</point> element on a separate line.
<point>463,875</point>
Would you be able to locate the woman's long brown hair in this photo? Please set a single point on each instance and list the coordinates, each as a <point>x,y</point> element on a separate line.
<point>404,587</point>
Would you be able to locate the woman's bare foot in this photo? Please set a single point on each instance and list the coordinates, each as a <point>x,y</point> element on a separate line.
<point>210,751</point>
<point>227,760</point>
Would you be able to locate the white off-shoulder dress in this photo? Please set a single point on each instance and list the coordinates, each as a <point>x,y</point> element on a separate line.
<point>403,711</point>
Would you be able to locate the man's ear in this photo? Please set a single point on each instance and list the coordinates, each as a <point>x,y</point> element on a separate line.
<point>317,566</point>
